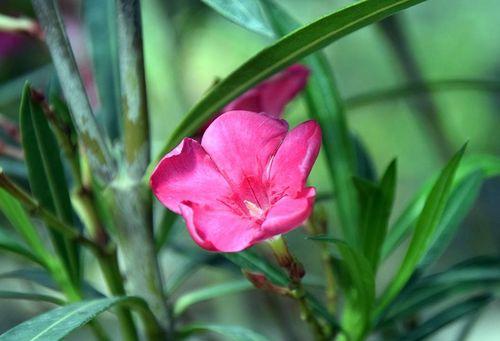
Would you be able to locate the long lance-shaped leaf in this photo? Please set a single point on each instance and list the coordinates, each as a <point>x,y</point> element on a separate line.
<point>95,143</point>
<point>57,323</point>
<point>208,293</point>
<point>424,231</point>
<point>100,23</point>
<point>46,174</point>
<point>285,51</point>
<point>488,165</point>
<point>377,214</point>
<point>235,333</point>
<point>446,316</point>
<point>15,295</point>
<point>469,277</point>
<point>325,106</point>
<point>10,243</point>
<point>244,13</point>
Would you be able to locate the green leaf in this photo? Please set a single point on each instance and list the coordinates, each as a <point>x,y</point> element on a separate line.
<point>57,323</point>
<point>460,203</point>
<point>235,333</point>
<point>424,230</point>
<point>165,228</point>
<point>13,295</point>
<point>18,218</point>
<point>244,13</point>
<point>480,273</point>
<point>285,51</point>
<point>10,242</point>
<point>43,278</point>
<point>194,263</point>
<point>251,261</point>
<point>489,165</point>
<point>446,316</point>
<point>359,288</point>
<point>325,106</point>
<point>376,216</point>
<point>208,293</point>
<point>100,25</point>
<point>46,174</point>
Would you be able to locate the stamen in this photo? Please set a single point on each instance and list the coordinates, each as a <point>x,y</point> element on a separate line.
<point>254,210</point>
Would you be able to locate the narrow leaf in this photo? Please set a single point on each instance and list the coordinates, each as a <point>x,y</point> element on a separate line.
<point>57,323</point>
<point>377,214</point>
<point>46,174</point>
<point>208,293</point>
<point>235,333</point>
<point>100,24</point>
<point>285,51</point>
<point>424,230</point>
<point>489,165</point>
<point>244,13</point>
<point>13,295</point>
<point>10,242</point>
<point>460,203</point>
<point>43,278</point>
<point>325,105</point>
<point>251,261</point>
<point>447,316</point>
<point>469,277</point>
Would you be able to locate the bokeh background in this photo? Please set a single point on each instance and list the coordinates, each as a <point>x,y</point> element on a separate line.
<point>446,51</point>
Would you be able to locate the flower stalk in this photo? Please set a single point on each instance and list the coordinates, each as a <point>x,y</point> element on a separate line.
<point>296,271</point>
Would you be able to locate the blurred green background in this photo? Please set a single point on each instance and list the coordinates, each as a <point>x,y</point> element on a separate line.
<point>188,46</point>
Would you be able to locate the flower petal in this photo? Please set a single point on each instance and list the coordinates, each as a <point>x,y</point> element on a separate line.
<point>290,167</point>
<point>272,95</point>
<point>188,174</point>
<point>217,228</point>
<point>289,213</point>
<point>242,142</point>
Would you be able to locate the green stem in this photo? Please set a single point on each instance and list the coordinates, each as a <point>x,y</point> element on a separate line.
<point>295,272</point>
<point>34,207</point>
<point>132,212</point>
<point>317,227</point>
<point>90,134</point>
<point>110,269</point>
<point>132,202</point>
<point>133,88</point>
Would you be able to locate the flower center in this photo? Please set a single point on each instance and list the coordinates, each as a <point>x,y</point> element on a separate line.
<point>254,210</point>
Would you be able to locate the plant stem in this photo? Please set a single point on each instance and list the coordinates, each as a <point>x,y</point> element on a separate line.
<point>133,88</point>
<point>132,211</point>
<point>318,226</point>
<point>132,201</point>
<point>295,272</point>
<point>111,271</point>
<point>89,132</point>
<point>34,207</point>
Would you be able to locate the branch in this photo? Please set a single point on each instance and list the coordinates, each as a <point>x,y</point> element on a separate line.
<point>133,88</point>
<point>89,132</point>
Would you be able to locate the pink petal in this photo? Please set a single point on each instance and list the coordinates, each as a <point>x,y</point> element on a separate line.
<point>272,95</point>
<point>220,229</point>
<point>241,143</point>
<point>290,167</point>
<point>289,213</point>
<point>188,174</point>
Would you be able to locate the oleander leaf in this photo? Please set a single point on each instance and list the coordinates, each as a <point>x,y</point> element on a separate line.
<point>425,230</point>
<point>58,323</point>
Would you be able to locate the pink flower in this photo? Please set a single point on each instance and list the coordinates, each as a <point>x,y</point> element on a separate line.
<point>270,96</point>
<point>244,183</point>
